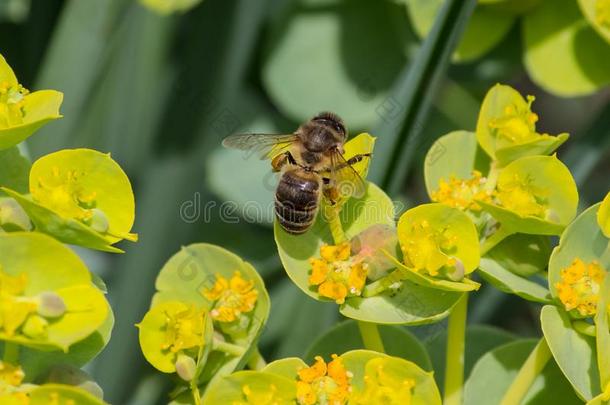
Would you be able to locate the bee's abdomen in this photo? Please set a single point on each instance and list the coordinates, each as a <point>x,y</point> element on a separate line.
<point>296,201</point>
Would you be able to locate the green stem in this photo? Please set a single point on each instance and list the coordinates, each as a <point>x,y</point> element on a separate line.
<point>454,364</point>
<point>11,353</point>
<point>585,328</point>
<point>334,223</point>
<point>371,336</point>
<point>528,373</point>
<point>256,361</point>
<point>228,348</point>
<point>195,392</point>
<point>498,236</point>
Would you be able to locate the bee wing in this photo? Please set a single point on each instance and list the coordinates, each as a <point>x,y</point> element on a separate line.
<point>267,146</point>
<point>345,178</point>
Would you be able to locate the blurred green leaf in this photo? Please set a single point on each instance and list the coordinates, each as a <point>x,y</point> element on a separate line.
<point>507,281</point>
<point>345,336</point>
<point>562,52</point>
<point>522,254</point>
<point>602,337</point>
<point>14,170</point>
<point>502,365</point>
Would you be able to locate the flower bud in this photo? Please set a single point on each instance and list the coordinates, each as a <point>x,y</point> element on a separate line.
<point>50,305</point>
<point>35,326</point>
<point>186,367</point>
<point>98,221</point>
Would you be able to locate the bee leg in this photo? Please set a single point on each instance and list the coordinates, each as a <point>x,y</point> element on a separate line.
<point>330,192</point>
<point>358,158</point>
<point>280,160</point>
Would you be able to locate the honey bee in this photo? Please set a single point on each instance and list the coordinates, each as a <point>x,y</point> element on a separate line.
<point>311,165</point>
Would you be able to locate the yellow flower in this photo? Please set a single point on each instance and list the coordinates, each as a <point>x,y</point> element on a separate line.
<point>517,125</point>
<point>184,329</point>
<point>427,249</point>
<point>335,274</point>
<point>11,374</point>
<point>462,194</point>
<point>231,297</point>
<point>268,396</point>
<point>63,193</point>
<point>383,388</point>
<point>324,383</point>
<point>11,104</point>
<point>14,310</point>
<point>520,196</point>
<point>602,12</point>
<point>579,286</point>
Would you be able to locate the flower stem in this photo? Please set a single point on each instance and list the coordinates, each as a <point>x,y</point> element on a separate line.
<point>228,348</point>
<point>195,392</point>
<point>528,373</point>
<point>454,364</point>
<point>585,328</point>
<point>11,353</point>
<point>334,223</point>
<point>256,361</point>
<point>371,336</point>
<point>498,236</point>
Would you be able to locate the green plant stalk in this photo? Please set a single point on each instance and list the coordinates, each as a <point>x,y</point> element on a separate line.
<point>371,336</point>
<point>528,373</point>
<point>11,353</point>
<point>454,363</point>
<point>256,360</point>
<point>369,331</point>
<point>585,328</point>
<point>228,348</point>
<point>195,392</point>
<point>498,236</point>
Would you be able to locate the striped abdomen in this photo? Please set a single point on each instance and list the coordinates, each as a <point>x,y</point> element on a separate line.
<point>296,200</point>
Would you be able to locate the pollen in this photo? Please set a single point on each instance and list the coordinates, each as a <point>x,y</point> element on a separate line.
<point>602,13</point>
<point>336,274</point>
<point>463,194</point>
<point>231,298</point>
<point>579,286</point>
<point>427,249</point>
<point>383,388</point>
<point>324,383</point>
<point>517,123</point>
<point>520,196</point>
<point>184,329</point>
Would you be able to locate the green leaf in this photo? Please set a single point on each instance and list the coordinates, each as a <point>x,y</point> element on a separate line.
<point>47,393</point>
<point>593,11</point>
<point>522,254</point>
<point>33,254</point>
<point>582,239</point>
<point>454,154</point>
<point>265,387</point>
<point>169,7</point>
<point>192,270</point>
<point>506,128</point>
<point>412,95</point>
<point>573,352</point>
<point>287,367</point>
<point>14,170</point>
<point>13,217</point>
<point>562,51</point>
<point>547,180</point>
<point>345,336</point>
<point>508,282</point>
<point>602,338</point>
<point>486,28</point>
<point>603,216</point>
<point>481,339</point>
<point>81,197</point>
<point>494,372</point>
<point>348,43</point>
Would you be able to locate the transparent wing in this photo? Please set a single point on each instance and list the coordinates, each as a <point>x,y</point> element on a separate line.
<point>344,178</point>
<point>266,146</point>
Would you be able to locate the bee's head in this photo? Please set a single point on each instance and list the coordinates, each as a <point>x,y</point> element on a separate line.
<point>332,121</point>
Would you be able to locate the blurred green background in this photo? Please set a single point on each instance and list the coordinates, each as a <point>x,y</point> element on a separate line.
<point>160,91</point>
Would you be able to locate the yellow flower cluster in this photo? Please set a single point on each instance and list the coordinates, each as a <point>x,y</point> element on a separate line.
<point>324,383</point>
<point>63,193</point>
<point>231,297</point>
<point>579,286</point>
<point>335,274</point>
<point>10,375</point>
<point>426,249</point>
<point>459,193</point>
<point>257,397</point>
<point>384,388</point>
<point>602,12</point>
<point>521,197</point>
<point>184,329</point>
<point>11,104</point>
<point>517,125</point>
